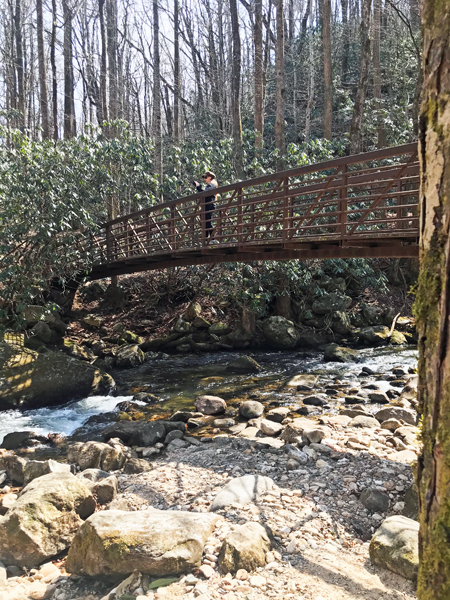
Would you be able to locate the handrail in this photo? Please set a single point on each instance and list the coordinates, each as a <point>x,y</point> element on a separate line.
<point>295,172</point>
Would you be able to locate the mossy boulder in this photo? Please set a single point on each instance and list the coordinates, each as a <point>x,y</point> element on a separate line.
<point>32,380</point>
<point>129,356</point>
<point>219,329</point>
<point>395,546</point>
<point>44,519</point>
<point>378,334</point>
<point>244,548</point>
<point>154,542</point>
<point>330,303</point>
<point>97,455</point>
<point>244,364</point>
<point>131,338</point>
<point>280,333</point>
<point>335,353</point>
<point>398,338</point>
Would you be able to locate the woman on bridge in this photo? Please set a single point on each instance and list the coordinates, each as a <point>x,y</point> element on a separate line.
<point>210,206</point>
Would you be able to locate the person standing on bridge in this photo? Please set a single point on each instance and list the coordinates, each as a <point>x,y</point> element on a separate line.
<point>210,205</point>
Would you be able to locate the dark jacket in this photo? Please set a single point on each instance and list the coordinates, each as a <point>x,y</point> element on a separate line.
<point>209,200</point>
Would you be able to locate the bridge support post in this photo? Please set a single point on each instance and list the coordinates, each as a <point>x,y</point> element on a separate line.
<point>343,205</point>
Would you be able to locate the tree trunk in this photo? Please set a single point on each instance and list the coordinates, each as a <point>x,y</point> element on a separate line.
<point>346,40</point>
<point>156,117</point>
<point>236,90</point>
<point>19,64</point>
<point>259,78</point>
<point>326,40</point>
<point>43,92</point>
<point>381,131</point>
<point>69,112</point>
<point>103,58</point>
<point>111,28</point>
<point>311,74</point>
<point>176,73</point>
<point>358,109</point>
<point>54,73</point>
<point>279,59</point>
<point>432,307</point>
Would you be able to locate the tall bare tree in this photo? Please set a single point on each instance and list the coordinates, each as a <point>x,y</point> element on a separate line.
<point>176,73</point>
<point>381,131</point>
<point>326,41</point>
<point>69,100</point>
<point>43,92</point>
<point>236,90</point>
<point>280,109</point>
<point>432,306</point>
<point>54,73</point>
<point>20,73</point>
<point>259,77</point>
<point>156,117</point>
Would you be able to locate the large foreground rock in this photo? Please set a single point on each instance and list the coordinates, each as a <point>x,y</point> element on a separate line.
<point>44,519</point>
<point>280,333</point>
<point>397,412</point>
<point>32,380</point>
<point>154,542</point>
<point>242,490</point>
<point>97,455</point>
<point>244,548</point>
<point>335,353</point>
<point>395,546</point>
<point>37,468</point>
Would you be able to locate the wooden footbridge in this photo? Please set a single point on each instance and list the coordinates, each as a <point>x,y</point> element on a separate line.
<point>358,206</point>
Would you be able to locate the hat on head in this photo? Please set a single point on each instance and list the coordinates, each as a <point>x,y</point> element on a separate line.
<point>208,174</point>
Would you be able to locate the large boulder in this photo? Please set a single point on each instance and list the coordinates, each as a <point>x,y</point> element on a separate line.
<point>378,334</point>
<point>242,490</point>
<point>210,405</point>
<point>44,519</point>
<point>32,380</point>
<point>129,356</point>
<point>154,542</point>
<point>395,546</point>
<point>330,303</point>
<point>244,364</point>
<point>244,548</point>
<point>37,468</point>
<point>142,433</point>
<point>13,465</point>
<point>335,353</point>
<point>251,409</point>
<point>97,455</point>
<point>280,333</point>
<point>407,415</point>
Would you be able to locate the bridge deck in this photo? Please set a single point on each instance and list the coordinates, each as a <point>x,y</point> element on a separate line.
<point>358,206</point>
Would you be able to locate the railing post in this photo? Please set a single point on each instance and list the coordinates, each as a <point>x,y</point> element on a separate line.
<point>343,204</point>
<point>147,229</point>
<point>203,220</point>
<point>108,243</point>
<point>172,236</point>
<point>286,211</point>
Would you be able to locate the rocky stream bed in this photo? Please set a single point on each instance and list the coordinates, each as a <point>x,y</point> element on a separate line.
<point>253,476</point>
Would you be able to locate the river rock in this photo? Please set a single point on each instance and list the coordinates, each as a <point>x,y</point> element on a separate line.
<point>44,519</point>
<point>224,423</point>
<point>6,502</point>
<point>51,378</point>
<point>280,333</point>
<point>176,434</point>
<point>251,409</point>
<point>154,542</point>
<point>395,546</point>
<point>129,356</point>
<point>395,412</point>
<point>408,434</point>
<point>96,455</point>
<point>270,427</point>
<point>219,329</point>
<point>391,424</point>
<point>13,465</point>
<point>244,548</point>
<point>131,338</point>
<point>136,465</point>
<point>363,421</point>
<point>378,398</point>
<point>331,302</point>
<point>36,468</point>
<point>106,489</point>
<point>193,311</point>
<point>242,490</point>
<point>398,338</point>
<point>335,353</point>
<point>244,364</point>
<point>93,475</point>
<point>315,400</point>
<point>375,500</point>
<point>278,414</point>
<point>210,405</point>
<point>303,382</point>
<point>378,334</point>
<point>293,432</point>
<point>22,439</point>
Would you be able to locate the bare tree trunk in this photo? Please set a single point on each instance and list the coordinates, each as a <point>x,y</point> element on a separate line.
<point>103,58</point>
<point>381,131</point>
<point>54,73</point>
<point>69,112</point>
<point>177,73</point>
<point>259,78</point>
<point>326,40</point>
<point>236,90</point>
<point>432,306</point>
<point>310,103</point>
<point>19,63</point>
<point>43,92</point>
<point>358,109</point>
<point>346,42</point>
<point>156,118</point>
<point>111,29</point>
<point>279,116</point>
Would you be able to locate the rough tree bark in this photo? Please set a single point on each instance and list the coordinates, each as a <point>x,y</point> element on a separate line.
<point>358,109</point>
<point>156,117</point>
<point>111,29</point>
<point>236,90</point>
<point>279,59</point>
<point>54,73</point>
<point>259,78</point>
<point>43,92</point>
<point>19,63</point>
<point>381,131</point>
<point>69,102</point>
<point>103,58</point>
<point>326,41</point>
<point>346,40</point>
<point>432,305</point>
<point>176,73</point>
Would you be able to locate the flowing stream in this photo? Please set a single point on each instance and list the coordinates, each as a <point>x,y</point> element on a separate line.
<point>178,379</point>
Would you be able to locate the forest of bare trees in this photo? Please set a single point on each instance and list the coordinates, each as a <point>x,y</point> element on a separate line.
<point>284,70</point>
